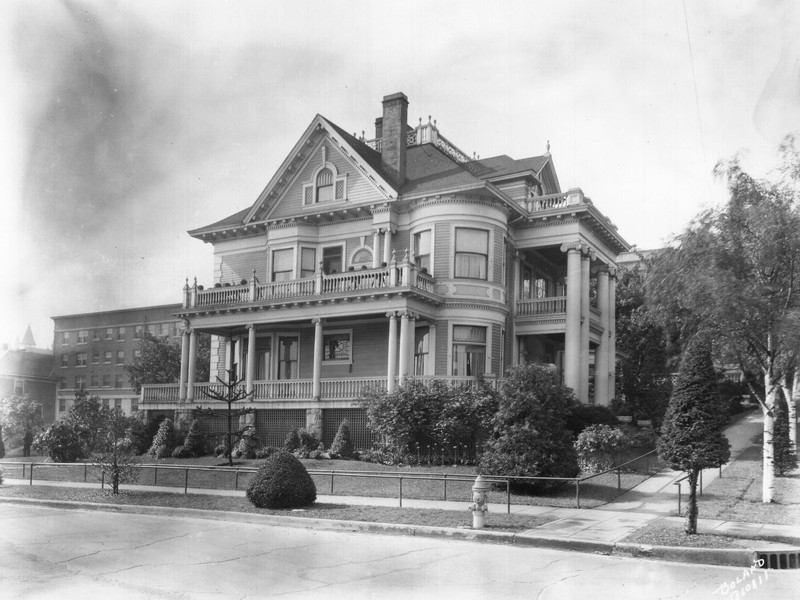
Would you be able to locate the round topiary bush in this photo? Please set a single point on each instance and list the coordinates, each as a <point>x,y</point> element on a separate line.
<point>282,482</point>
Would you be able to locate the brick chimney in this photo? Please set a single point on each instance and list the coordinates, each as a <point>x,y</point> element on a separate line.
<point>393,136</point>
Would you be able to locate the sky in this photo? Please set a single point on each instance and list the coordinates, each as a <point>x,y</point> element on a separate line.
<point>125,124</point>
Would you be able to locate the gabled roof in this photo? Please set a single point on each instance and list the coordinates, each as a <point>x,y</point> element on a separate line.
<point>370,163</point>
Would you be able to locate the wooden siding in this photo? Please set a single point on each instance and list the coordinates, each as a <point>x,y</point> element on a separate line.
<point>236,267</point>
<point>497,255</point>
<point>441,251</point>
<point>359,190</point>
<point>497,344</point>
<point>401,241</point>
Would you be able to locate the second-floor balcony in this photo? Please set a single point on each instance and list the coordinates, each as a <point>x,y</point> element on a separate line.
<point>542,306</point>
<point>361,282</point>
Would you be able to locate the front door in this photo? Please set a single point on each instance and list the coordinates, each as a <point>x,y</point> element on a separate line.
<point>288,350</point>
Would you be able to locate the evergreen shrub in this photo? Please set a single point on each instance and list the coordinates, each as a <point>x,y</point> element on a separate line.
<point>266,451</point>
<point>164,442</point>
<point>584,415</point>
<point>282,482</point>
<point>342,446</point>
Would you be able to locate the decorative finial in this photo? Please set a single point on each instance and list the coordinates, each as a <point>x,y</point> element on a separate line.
<point>548,146</point>
<point>420,120</point>
<point>362,134</point>
<point>429,118</point>
<point>434,122</point>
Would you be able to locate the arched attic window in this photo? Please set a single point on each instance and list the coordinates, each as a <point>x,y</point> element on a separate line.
<point>325,186</point>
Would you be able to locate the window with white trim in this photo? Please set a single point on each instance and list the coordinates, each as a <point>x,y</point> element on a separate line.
<point>471,253</point>
<point>308,262</point>
<point>337,346</point>
<point>327,186</point>
<point>422,250</point>
<point>83,336</point>
<point>282,267</point>
<point>80,359</point>
<point>95,357</point>
<point>120,357</point>
<point>469,350</point>
<point>332,260</point>
<point>64,360</point>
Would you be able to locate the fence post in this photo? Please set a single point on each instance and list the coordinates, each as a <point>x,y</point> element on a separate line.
<point>103,480</point>
<point>401,492</point>
<point>577,493</point>
<point>84,472</point>
<point>331,481</point>
<point>508,496</point>
<point>186,483</point>
<point>236,480</point>
<point>23,470</point>
<point>155,475</point>
<point>445,486</point>
<point>619,483</point>
<point>31,473</point>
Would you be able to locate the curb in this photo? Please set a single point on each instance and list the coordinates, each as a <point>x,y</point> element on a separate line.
<point>710,556</point>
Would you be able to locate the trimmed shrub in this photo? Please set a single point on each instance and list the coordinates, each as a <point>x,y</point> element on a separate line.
<point>2,445</point>
<point>282,482</point>
<point>221,451</point>
<point>266,451</point>
<point>248,445</point>
<point>195,442</point>
<point>164,441</point>
<point>596,446</point>
<point>342,446</point>
<point>292,441</point>
<point>143,432</point>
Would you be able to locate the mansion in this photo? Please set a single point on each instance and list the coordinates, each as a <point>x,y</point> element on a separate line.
<point>365,262</point>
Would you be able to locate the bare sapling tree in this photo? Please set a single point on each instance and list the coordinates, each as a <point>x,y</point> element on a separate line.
<point>230,392</point>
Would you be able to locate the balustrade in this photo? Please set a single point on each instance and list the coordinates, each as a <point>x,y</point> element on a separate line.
<point>542,306</point>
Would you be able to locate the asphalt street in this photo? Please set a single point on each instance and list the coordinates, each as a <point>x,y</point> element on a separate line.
<point>65,554</point>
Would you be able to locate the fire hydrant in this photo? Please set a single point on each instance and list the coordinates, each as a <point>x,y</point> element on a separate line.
<point>480,502</point>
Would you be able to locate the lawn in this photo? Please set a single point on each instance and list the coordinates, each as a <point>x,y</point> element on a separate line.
<point>372,514</point>
<point>350,479</point>
<point>736,496</point>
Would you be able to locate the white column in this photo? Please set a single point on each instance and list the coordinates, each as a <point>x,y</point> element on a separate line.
<point>316,390</point>
<point>430,366</point>
<point>387,245</point>
<point>572,333</point>
<point>392,362</point>
<point>184,363</point>
<point>251,357</point>
<point>585,274</point>
<point>406,340</point>
<point>601,396</point>
<point>612,334</point>
<point>376,248</point>
<point>192,366</point>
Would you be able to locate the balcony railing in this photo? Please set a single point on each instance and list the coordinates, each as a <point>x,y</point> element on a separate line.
<point>363,281</point>
<point>346,388</point>
<point>573,197</point>
<point>542,306</point>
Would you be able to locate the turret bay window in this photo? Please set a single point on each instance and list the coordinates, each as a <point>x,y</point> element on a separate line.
<point>282,269</point>
<point>469,350</point>
<point>471,253</point>
<point>422,250</point>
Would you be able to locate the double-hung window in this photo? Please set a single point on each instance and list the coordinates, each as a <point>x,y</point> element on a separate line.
<point>471,253</point>
<point>422,250</point>
<point>282,268</point>
<point>308,262</point>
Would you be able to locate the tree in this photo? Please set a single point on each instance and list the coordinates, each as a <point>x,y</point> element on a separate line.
<point>159,361</point>
<point>88,418</point>
<point>785,457</point>
<point>692,435</point>
<point>734,276</point>
<point>114,454</point>
<point>529,436</point>
<point>231,392</point>
<point>19,414</point>
<point>643,378</point>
